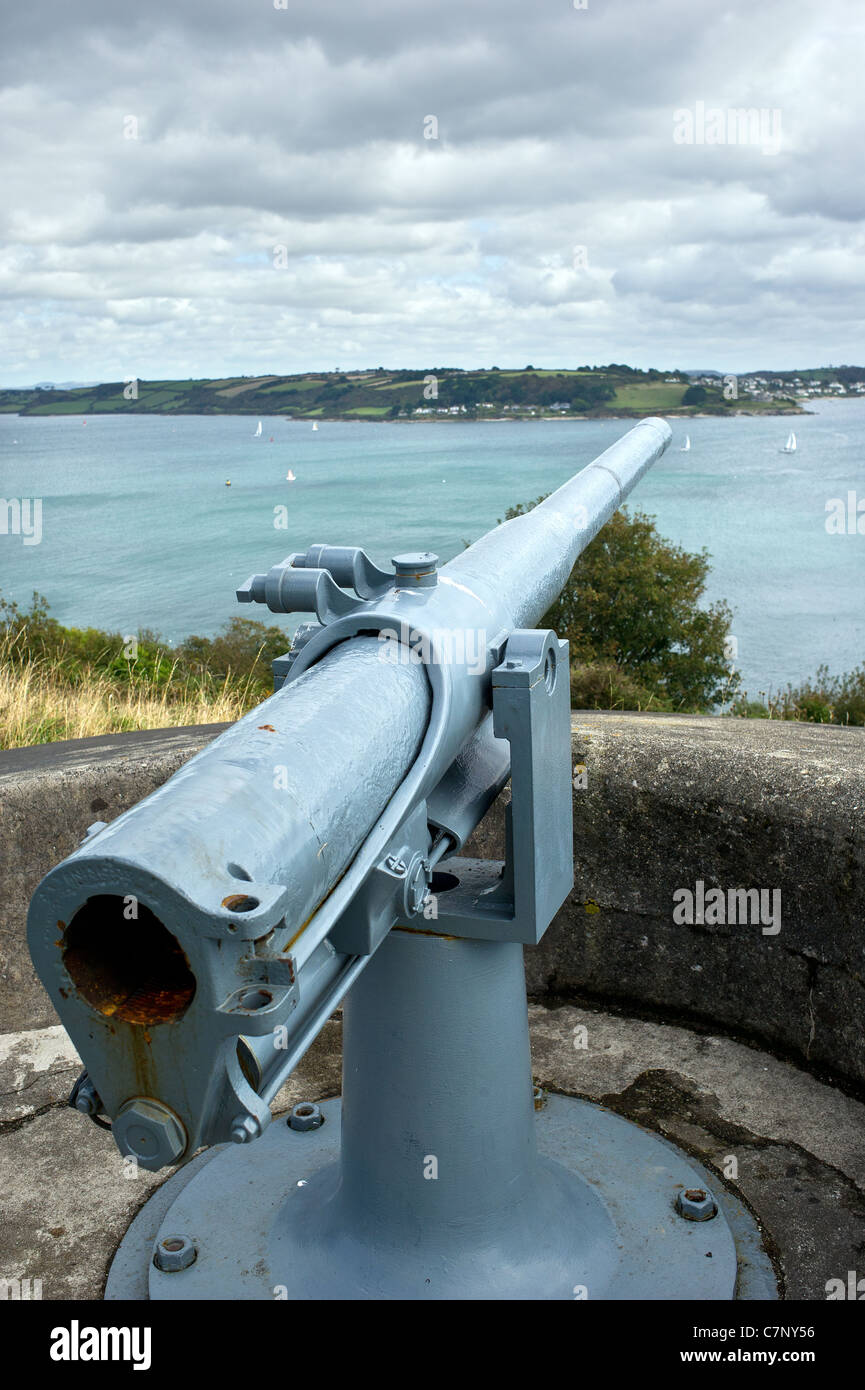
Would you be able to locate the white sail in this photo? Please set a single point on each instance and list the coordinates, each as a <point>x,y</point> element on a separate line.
<point>686,446</point>
<point>258,431</point>
<point>315,424</point>
<point>289,477</point>
<point>790,446</point>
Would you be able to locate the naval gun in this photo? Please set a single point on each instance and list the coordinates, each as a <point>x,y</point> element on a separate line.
<point>196,946</point>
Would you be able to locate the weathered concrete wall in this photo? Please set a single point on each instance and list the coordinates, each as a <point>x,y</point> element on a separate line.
<point>669,800</point>
<point>734,803</point>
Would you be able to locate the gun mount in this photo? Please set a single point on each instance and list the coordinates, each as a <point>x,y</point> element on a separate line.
<point>195,947</point>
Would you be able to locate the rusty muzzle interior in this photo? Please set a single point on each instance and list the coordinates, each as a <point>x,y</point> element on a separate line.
<point>127,966</point>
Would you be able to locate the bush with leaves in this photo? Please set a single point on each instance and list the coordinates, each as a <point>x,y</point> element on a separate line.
<point>823,699</point>
<point>240,654</point>
<point>633,605</point>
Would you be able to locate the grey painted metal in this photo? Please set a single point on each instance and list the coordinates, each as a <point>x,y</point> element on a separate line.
<point>255,854</point>
<point>130,1269</point>
<point>696,1204</point>
<point>172,1253</point>
<point>437,1178</point>
<point>305,1116</point>
<point>524,564</point>
<point>273,811</point>
<point>517,900</point>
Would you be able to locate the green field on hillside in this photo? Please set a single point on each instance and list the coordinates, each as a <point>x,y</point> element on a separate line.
<point>652,397</point>
<point>393,392</point>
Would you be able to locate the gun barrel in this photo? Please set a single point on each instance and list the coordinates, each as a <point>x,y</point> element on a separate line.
<point>526,562</point>
<point>223,903</point>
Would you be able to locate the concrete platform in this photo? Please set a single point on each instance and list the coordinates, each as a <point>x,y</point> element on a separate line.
<point>797,1145</point>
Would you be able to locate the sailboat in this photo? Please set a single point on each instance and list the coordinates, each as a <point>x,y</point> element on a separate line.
<point>258,431</point>
<point>315,424</point>
<point>686,446</point>
<point>289,477</point>
<point>790,446</point>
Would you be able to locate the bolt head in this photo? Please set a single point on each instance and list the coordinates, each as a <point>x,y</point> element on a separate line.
<point>306,1115</point>
<point>696,1204</point>
<point>416,885</point>
<point>173,1253</point>
<point>245,1127</point>
<point>86,1101</point>
<point>416,570</point>
<point>150,1132</point>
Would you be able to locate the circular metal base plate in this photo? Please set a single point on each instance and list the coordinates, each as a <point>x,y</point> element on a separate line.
<point>267,1224</point>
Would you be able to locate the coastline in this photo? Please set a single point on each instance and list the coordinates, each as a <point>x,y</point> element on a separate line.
<point>676,413</point>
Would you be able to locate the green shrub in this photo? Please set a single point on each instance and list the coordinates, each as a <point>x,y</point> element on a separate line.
<point>823,699</point>
<point>240,654</point>
<point>604,685</point>
<point>633,601</point>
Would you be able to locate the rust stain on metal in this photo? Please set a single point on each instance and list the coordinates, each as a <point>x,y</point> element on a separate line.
<point>419,931</point>
<point>136,974</point>
<point>302,928</point>
<point>149,1006</point>
<point>269,727</point>
<point>235,902</point>
<point>142,1061</point>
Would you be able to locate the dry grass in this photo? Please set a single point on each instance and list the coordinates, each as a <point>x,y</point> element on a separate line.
<point>40,704</point>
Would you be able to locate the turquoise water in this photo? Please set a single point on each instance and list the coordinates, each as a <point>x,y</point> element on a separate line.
<point>139,529</point>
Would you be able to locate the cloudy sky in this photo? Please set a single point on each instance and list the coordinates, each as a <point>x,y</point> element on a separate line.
<point>209,187</point>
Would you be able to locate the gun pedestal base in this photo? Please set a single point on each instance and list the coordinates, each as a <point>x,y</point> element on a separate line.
<point>436,1177</point>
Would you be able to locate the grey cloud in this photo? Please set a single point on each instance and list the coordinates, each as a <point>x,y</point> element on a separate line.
<point>304,127</point>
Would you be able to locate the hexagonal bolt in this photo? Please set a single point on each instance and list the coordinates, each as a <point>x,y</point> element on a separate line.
<point>174,1253</point>
<point>696,1204</point>
<point>150,1132</point>
<point>305,1116</point>
<point>245,1128</point>
<point>84,1098</point>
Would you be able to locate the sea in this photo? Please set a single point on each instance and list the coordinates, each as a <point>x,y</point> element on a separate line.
<point>140,530</point>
